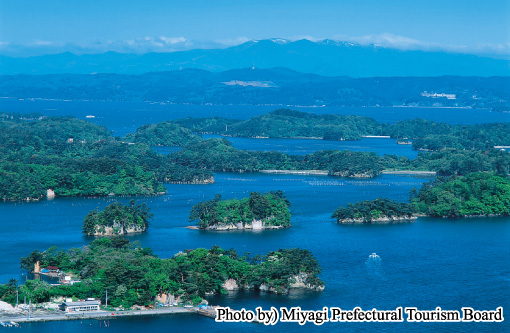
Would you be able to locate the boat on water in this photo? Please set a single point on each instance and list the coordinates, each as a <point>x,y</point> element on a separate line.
<point>374,256</point>
<point>90,116</point>
<point>373,260</point>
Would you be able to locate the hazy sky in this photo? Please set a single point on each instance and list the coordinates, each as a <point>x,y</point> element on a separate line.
<point>149,25</point>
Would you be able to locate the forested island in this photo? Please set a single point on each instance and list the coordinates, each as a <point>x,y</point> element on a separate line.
<point>220,155</point>
<point>285,123</point>
<point>472,195</point>
<point>258,211</point>
<point>117,219</point>
<point>163,134</point>
<point>477,194</point>
<point>63,156</point>
<point>380,210</point>
<point>134,275</point>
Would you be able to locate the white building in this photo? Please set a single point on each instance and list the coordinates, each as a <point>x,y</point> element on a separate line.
<point>81,306</point>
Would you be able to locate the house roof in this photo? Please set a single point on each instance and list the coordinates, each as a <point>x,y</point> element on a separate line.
<point>82,303</point>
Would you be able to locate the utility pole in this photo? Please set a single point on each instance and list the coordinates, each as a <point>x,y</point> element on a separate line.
<point>106,303</point>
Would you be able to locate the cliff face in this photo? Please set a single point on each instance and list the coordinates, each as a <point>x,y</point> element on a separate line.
<point>117,229</point>
<point>299,281</point>
<point>385,219</point>
<point>253,225</point>
<point>194,182</point>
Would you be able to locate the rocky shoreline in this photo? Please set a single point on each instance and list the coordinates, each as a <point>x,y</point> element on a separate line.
<point>254,225</point>
<point>381,220</point>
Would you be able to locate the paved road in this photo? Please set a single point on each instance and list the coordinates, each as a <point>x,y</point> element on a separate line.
<point>99,314</point>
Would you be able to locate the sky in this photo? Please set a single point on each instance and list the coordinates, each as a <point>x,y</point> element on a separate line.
<point>30,27</point>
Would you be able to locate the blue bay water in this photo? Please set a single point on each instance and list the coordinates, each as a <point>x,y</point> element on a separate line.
<point>380,146</point>
<point>449,263</point>
<point>429,263</point>
<point>124,117</point>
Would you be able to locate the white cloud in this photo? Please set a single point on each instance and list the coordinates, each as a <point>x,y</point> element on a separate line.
<point>179,43</point>
<point>405,43</point>
<point>172,40</point>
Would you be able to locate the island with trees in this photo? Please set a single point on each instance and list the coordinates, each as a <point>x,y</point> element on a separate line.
<point>133,275</point>
<point>64,156</point>
<point>163,134</point>
<point>285,123</point>
<point>117,219</point>
<point>380,210</point>
<point>257,212</point>
<point>476,194</point>
<point>220,155</point>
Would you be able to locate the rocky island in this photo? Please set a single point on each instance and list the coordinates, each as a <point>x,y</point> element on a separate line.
<point>117,219</point>
<point>380,210</point>
<point>259,211</point>
<point>135,276</point>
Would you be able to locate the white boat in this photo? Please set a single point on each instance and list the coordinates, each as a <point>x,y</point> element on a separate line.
<point>90,116</point>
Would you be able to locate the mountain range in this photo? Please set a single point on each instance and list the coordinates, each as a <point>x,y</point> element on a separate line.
<point>326,57</point>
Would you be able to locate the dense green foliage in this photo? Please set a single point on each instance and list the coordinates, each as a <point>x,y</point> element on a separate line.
<point>219,155</point>
<point>481,136</point>
<point>272,209</point>
<point>465,144</point>
<point>447,162</point>
<point>475,194</point>
<point>74,157</point>
<point>284,123</point>
<point>372,210</point>
<point>429,135</point>
<point>206,125</point>
<point>415,128</point>
<point>426,134</point>
<point>118,217</point>
<point>162,134</point>
<point>134,275</point>
<point>8,291</point>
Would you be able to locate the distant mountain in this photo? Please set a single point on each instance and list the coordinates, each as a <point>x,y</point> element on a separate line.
<point>277,86</point>
<point>326,57</point>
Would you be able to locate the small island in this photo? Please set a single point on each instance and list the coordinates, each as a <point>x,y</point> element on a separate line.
<point>380,210</point>
<point>117,219</point>
<point>477,194</point>
<point>259,211</point>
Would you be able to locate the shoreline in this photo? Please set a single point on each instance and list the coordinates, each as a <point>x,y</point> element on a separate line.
<point>99,315</point>
<point>409,172</point>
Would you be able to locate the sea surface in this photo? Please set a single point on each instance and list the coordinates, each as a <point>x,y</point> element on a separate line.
<point>124,117</point>
<point>451,263</point>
